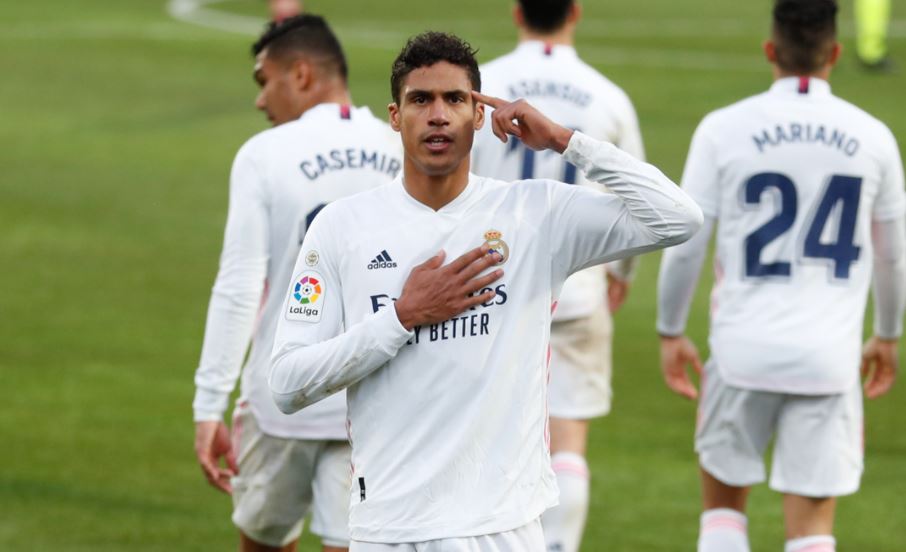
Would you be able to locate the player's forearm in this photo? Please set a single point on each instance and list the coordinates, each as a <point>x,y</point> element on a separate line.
<point>653,200</point>
<point>229,327</point>
<point>889,240</point>
<point>678,277</point>
<point>305,374</point>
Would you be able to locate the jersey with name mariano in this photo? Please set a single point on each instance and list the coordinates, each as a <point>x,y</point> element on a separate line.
<point>448,422</point>
<point>566,89</point>
<point>795,177</point>
<point>280,180</point>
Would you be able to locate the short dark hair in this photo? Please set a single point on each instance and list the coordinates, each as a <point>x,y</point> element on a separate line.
<point>304,33</point>
<point>804,33</point>
<point>545,16</point>
<point>432,47</point>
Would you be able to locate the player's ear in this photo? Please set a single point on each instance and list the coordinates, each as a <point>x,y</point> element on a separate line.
<point>770,51</point>
<point>301,72</point>
<point>836,50</point>
<point>394,116</point>
<point>518,16</point>
<point>575,13</point>
<point>479,115</point>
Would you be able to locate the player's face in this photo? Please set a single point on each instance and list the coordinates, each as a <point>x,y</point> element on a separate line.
<point>437,118</point>
<point>280,98</point>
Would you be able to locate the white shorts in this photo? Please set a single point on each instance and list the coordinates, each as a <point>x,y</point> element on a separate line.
<point>528,538</point>
<point>818,439</point>
<point>281,480</point>
<point>580,366</point>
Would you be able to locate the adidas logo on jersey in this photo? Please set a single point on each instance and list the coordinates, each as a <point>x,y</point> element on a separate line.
<point>383,260</point>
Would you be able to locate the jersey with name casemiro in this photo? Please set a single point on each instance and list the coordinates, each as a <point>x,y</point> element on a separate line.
<point>566,89</point>
<point>280,180</point>
<point>795,177</point>
<point>448,422</point>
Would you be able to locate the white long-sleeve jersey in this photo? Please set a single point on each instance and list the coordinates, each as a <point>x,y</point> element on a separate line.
<point>568,90</point>
<point>798,182</point>
<point>448,422</point>
<point>280,179</point>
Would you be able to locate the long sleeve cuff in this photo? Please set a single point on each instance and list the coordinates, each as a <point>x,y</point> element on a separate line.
<point>209,405</point>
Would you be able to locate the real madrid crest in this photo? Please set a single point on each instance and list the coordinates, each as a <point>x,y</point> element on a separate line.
<point>493,240</point>
<point>312,258</point>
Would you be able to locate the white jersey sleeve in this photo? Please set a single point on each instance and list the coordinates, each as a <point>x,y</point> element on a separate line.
<point>313,319</point>
<point>889,239</point>
<point>645,210</point>
<point>678,276</point>
<point>891,201</point>
<point>701,174</point>
<point>237,291</point>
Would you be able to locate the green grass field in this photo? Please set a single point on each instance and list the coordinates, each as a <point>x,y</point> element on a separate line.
<point>118,124</point>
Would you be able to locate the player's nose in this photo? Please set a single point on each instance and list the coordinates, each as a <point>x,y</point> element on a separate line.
<point>438,115</point>
<point>260,102</point>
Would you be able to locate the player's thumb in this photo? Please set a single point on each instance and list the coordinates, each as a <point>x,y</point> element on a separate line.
<point>231,461</point>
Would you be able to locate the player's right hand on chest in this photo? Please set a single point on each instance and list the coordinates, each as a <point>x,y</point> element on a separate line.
<point>435,292</point>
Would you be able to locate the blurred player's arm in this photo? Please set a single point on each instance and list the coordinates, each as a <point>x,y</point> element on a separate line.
<point>235,299</point>
<point>888,233</point>
<point>681,267</point>
<point>314,359</point>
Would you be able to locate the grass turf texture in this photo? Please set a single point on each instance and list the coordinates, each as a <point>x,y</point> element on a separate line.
<point>119,126</point>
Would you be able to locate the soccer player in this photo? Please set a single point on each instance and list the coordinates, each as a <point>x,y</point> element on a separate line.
<point>807,192</point>
<point>430,299</point>
<point>872,22</point>
<point>278,467</point>
<point>545,70</point>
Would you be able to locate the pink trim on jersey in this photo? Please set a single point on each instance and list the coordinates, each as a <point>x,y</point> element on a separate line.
<point>564,466</point>
<point>721,522</point>
<point>349,438</point>
<point>236,434</point>
<point>819,547</point>
<point>548,48</point>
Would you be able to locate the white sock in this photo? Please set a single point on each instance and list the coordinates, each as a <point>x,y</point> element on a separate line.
<point>814,543</point>
<point>723,530</point>
<point>563,524</point>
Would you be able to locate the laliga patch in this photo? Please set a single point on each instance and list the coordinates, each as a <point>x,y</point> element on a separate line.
<point>306,298</point>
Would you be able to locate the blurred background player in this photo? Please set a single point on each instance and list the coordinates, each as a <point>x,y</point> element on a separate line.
<point>281,178</point>
<point>283,9</point>
<point>545,69</point>
<point>808,193</point>
<point>872,24</point>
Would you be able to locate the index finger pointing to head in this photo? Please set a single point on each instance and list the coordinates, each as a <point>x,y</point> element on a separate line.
<point>488,100</point>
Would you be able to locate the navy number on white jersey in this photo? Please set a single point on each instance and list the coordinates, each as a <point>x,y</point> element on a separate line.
<point>844,190</point>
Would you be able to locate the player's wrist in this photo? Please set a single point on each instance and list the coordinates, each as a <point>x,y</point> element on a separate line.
<point>887,340</point>
<point>560,139</point>
<point>670,336</point>
<point>405,315</point>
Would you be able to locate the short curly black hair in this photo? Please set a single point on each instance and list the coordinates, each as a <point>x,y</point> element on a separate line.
<point>805,32</point>
<point>306,33</point>
<point>432,47</point>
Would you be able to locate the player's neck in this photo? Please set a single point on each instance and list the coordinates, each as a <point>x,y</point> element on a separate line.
<point>331,93</point>
<point>562,37</point>
<point>435,191</point>
<point>823,74</point>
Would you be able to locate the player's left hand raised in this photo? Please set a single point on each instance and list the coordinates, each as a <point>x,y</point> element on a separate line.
<point>525,122</point>
<point>879,366</point>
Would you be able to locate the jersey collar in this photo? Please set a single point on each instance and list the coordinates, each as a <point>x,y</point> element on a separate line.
<point>459,203</point>
<point>545,49</point>
<point>801,86</point>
